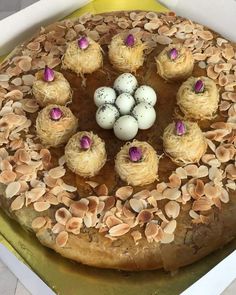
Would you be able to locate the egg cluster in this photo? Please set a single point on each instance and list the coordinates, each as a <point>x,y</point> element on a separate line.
<point>125,107</point>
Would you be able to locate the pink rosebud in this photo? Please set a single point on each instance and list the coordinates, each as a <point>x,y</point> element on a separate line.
<point>199,86</point>
<point>85,142</point>
<point>83,43</point>
<point>180,128</point>
<point>135,154</point>
<point>129,41</point>
<point>55,114</point>
<point>48,74</point>
<point>173,54</point>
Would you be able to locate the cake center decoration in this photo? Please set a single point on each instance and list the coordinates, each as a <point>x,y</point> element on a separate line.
<point>83,43</point>
<point>85,142</point>
<point>48,74</point>
<point>55,114</point>
<point>180,128</point>
<point>129,41</point>
<point>173,54</point>
<point>135,154</point>
<point>199,86</point>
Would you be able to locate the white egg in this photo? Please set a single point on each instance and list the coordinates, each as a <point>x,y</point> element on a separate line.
<point>106,116</point>
<point>126,127</point>
<point>126,83</point>
<point>146,94</point>
<point>125,102</point>
<point>104,95</point>
<point>145,114</point>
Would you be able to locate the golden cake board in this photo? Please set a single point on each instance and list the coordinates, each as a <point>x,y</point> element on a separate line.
<point>69,278</point>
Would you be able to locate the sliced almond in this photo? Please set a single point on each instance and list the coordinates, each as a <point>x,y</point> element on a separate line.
<point>18,203</point>
<point>62,215</point>
<point>202,204</point>
<point>151,230</point>
<point>181,172</point>
<point>12,189</point>
<point>210,190</point>
<point>62,239</point>
<point>170,227</point>
<point>57,172</point>
<point>171,193</point>
<point>144,194</point>
<point>172,209</point>
<point>137,205</point>
<point>112,221</point>
<point>174,181</point>
<point>38,223</point>
<point>57,228</point>
<point>41,206</point>
<point>167,238</point>
<point>119,230</point>
<point>224,196</point>
<point>74,225</point>
<point>101,190</point>
<point>144,216</point>
<point>124,192</point>
<point>7,176</point>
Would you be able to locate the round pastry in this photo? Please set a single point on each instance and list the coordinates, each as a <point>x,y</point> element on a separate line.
<point>83,56</point>
<point>85,154</point>
<point>184,142</point>
<point>51,87</point>
<point>198,98</point>
<point>101,221</point>
<point>126,52</point>
<point>55,125</point>
<point>175,62</point>
<point>137,163</point>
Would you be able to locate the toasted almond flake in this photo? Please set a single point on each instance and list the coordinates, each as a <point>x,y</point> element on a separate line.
<point>210,190</point>
<point>192,170</point>
<point>215,174</point>
<point>231,185</point>
<point>41,206</point>
<point>112,221</point>
<point>57,228</point>
<point>144,194</point>
<point>74,225</point>
<point>38,223</point>
<point>202,171</point>
<point>174,181</point>
<point>15,94</point>
<point>224,196</point>
<point>18,203</point>
<point>181,172</point>
<point>228,52</point>
<point>62,239</point>
<point>124,192</point>
<point>163,40</point>
<point>119,230</point>
<point>137,205</point>
<point>202,204</point>
<point>12,189</point>
<point>144,216</point>
<point>172,209</point>
<point>231,171</point>
<point>28,79</point>
<point>205,35</point>
<point>79,208</point>
<point>171,193</point>
<point>194,214</point>
<point>211,73</point>
<point>109,203</point>
<point>57,172</point>
<point>151,230</point>
<point>35,46</point>
<point>211,145</point>
<point>167,238</point>
<point>35,194</point>
<point>101,190</point>
<point>170,227</point>
<point>161,187</point>
<point>199,188</point>
<point>7,176</point>
<point>5,165</point>
<point>62,215</point>
<point>223,154</point>
<point>68,188</point>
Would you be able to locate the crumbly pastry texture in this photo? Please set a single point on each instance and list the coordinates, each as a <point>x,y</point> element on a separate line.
<point>186,215</point>
<point>198,106</point>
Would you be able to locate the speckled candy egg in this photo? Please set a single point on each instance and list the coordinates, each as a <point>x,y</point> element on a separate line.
<point>125,102</point>
<point>106,116</point>
<point>126,127</point>
<point>104,95</point>
<point>145,114</point>
<point>126,83</point>
<point>147,94</point>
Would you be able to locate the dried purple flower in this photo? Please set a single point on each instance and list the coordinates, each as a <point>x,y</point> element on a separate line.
<point>199,86</point>
<point>55,114</point>
<point>48,74</point>
<point>135,154</point>
<point>129,41</point>
<point>85,142</point>
<point>173,54</point>
<point>180,128</point>
<point>83,43</point>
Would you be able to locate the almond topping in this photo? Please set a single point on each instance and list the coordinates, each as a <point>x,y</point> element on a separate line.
<point>144,216</point>
<point>41,206</point>
<point>170,227</point>
<point>12,189</point>
<point>38,223</point>
<point>119,230</point>
<point>61,239</point>
<point>172,209</point>
<point>171,193</point>
<point>62,216</point>
<point>124,192</point>
<point>18,203</point>
<point>137,205</point>
<point>73,225</point>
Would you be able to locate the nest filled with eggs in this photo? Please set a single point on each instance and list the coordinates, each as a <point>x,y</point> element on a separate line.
<point>126,107</point>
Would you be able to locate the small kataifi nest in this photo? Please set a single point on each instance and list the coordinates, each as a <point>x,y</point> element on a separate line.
<point>138,172</point>
<point>57,131</point>
<point>85,159</point>
<point>186,148</point>
<point>126,58</point>
<point>57,91</point>
<point>83,61</point>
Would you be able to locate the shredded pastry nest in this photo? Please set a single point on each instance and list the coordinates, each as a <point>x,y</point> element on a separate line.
<point>137,173</point>
<point>126,58</point>
<point>198,105</point>
<point>185,149</point>
<point>54,133</point>
<point>83,61</point>
<point>56,92</point>
<point>86,163</point>
<point>178,69</point>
